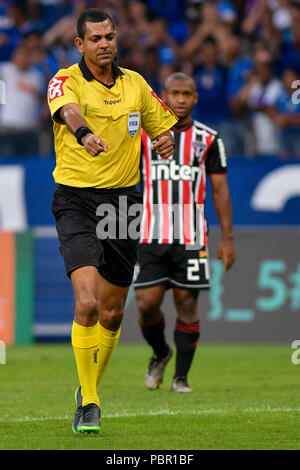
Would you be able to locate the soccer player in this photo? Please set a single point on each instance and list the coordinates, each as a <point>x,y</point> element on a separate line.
<point>98,110</point>
<point>173,252</point>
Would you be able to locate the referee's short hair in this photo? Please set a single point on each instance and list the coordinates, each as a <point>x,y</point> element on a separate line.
<point>94,15</point>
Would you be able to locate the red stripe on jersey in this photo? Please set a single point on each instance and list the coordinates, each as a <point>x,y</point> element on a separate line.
<point>159,100</point>
<point>200,197</point>
<point>147,185</point>
<point>202,186</point>
<point>201,190</point>
<point>209,141</point>
<point>187,197</point>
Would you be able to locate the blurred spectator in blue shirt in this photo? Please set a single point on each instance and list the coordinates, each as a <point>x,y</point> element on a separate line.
<point>259,24</point>
<point>239,71</point>
<point>209,49</point>
<point>211,78</point>
<point>19,116</point>
<point>286,114</point>
<point>171,11</point>
<point>257,97</point>
<point>43,60</point>
<point>59,41</point>
<point>50,11</point>
<point>290,53</point>
<point>240,66</point>
<point>12,21</point>
<point>174,13</point>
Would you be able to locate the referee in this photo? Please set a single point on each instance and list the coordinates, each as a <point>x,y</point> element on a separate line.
<point>98,110</point>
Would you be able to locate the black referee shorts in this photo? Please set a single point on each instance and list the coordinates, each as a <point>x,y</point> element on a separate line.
<point>91,225</point>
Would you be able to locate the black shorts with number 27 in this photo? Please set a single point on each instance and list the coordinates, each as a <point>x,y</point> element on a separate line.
<point>173,266</point>
<point>84,217</point>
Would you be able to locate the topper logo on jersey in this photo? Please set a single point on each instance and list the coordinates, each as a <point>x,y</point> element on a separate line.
<point>170,170</point>
<point>55,88</point>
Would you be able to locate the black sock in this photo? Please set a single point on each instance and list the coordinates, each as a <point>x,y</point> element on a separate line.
<point>186,336</point>
<point>155,337</point>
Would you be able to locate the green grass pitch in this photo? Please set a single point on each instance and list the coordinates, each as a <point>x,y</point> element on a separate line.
<point>245,397</point>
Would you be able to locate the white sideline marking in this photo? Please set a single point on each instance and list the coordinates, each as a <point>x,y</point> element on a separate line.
<point>262,409</point>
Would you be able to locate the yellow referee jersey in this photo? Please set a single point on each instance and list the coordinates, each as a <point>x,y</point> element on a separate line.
<point>115,113</point>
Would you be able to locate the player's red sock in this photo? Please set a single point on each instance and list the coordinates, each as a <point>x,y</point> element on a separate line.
<point>155,337</point>
<point>186,336</point>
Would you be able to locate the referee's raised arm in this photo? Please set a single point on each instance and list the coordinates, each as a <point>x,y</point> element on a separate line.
<point>71,115</point>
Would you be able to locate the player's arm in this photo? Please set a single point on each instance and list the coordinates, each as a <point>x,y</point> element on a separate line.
<point>222,203</point>
<point>71,115</point>
<point>216,167</point>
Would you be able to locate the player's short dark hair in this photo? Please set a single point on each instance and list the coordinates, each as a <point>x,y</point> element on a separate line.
<point>94,15</point>
<point>180,76</point>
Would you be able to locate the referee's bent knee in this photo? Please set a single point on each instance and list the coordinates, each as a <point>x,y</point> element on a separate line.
<point>87,310</point>
<point>111,318</point>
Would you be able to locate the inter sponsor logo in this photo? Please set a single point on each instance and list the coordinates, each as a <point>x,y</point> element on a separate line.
<point>170,170</point>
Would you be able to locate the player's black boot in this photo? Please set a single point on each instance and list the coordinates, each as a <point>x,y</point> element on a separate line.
<point>89,420</point>
<point>86,418</point>
<point>78,400</point>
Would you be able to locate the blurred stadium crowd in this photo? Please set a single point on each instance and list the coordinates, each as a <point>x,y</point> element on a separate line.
<point>243,54</point>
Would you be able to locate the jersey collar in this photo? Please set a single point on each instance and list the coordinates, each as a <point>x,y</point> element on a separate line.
<point>117,72</point>
<point>178,128</point>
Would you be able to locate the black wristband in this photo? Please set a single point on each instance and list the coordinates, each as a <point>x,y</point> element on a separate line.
<point>81,132</point>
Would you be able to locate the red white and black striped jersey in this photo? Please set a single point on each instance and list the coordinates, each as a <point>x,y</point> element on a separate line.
<point>174,189</point>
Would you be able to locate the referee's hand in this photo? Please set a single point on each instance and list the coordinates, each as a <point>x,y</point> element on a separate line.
<point>93,144</point>
<point>164,145</point>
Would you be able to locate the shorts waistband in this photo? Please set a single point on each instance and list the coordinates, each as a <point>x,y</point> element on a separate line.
<point>96,190</point>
